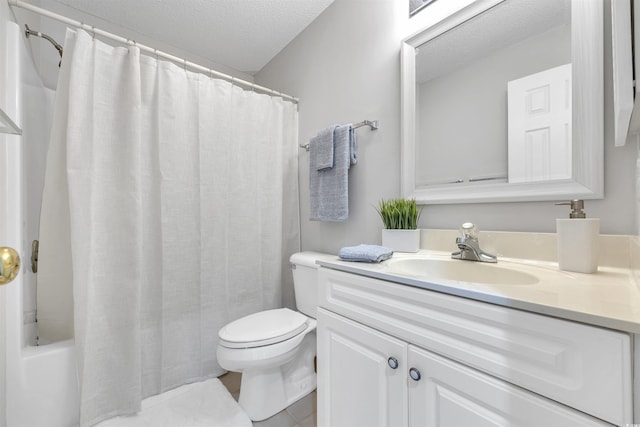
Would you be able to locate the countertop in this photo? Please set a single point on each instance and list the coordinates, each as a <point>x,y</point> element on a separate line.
<point>609,298</point>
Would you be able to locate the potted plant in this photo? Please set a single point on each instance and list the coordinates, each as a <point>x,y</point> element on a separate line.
<point>400,219</point>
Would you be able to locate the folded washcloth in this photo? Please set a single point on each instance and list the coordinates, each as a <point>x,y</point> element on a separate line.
<point>321,149</point>
<point>365,253</point>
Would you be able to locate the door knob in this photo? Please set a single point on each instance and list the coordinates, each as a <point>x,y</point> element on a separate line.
<point>9,265</point>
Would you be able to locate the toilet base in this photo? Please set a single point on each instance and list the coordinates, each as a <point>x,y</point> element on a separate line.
<point>265,392</point>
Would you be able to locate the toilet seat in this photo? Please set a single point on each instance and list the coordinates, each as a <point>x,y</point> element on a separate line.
<point>263,328</point>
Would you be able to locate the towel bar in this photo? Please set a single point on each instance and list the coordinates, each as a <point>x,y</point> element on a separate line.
<point>373,125</point>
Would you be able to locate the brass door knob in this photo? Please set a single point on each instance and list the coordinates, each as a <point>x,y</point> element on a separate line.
<point>9,265</point>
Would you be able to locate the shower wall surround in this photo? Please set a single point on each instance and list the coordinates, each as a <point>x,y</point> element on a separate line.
<point>362,44</point>
<point>28,371</point>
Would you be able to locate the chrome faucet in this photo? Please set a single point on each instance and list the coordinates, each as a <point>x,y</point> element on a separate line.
<point>469,246</point>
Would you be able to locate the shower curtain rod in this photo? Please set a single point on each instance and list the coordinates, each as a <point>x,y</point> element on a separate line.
<point>44,12</point>
<point>29,32</point>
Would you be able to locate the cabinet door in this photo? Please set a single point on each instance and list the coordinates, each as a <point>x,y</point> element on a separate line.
<point>357,382</point>
<point>448,394</point>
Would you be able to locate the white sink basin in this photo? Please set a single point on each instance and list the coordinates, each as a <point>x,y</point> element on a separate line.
<point>462,271</point>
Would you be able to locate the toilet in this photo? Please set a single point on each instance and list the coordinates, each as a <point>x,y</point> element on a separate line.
<point>275,349</point>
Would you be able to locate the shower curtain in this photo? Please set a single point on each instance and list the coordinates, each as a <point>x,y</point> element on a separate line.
<point>182,212</point>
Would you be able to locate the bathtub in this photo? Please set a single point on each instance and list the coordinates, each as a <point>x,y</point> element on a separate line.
<point>41,381</point>
<point>43,391</point>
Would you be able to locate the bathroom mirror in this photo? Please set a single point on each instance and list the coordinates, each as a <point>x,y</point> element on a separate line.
<point>481,95</point>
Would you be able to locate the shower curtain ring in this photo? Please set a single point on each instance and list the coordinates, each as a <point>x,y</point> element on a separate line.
<point>93,32</point>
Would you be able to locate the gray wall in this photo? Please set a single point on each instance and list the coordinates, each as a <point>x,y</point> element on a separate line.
<point>346,67</point>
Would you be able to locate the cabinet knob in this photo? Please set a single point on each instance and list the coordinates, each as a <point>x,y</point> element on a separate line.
<point>393,362</point>
<point>414,374</point>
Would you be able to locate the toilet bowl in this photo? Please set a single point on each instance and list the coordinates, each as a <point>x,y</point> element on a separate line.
<point>275,349</point>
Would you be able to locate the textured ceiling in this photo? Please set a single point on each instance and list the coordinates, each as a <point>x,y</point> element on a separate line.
<point>241,34</point>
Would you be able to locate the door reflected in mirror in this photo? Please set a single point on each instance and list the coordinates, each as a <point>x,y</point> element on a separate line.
<point>493,103</point>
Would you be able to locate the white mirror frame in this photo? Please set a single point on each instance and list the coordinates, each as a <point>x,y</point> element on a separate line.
<point>588,117</point>
<point>622,34</point>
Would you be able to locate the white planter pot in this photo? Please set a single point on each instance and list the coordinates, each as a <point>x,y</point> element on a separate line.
<point>401,240</point>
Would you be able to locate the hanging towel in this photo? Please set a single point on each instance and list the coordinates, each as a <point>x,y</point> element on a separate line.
<point>365,253</point>
<point>329,188</point>
<point>321,149</point>
<point>353,145</point>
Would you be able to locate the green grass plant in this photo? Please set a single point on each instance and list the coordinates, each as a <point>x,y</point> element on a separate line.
<point>399,214</point>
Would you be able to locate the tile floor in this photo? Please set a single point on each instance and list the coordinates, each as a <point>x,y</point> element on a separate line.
<point>300,414</point>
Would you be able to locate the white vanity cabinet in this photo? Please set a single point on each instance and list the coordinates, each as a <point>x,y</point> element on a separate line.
<point>395,355</point>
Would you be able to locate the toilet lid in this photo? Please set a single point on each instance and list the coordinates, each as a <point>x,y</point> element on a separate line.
<point>263,328</point>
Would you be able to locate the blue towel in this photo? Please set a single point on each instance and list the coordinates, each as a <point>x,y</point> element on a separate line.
<point>353,145</point>
<point>365,253</point>
<point>321,149</point>
<point>329,188</point>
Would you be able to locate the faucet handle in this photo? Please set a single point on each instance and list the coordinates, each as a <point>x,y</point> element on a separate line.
<point>468,230</point>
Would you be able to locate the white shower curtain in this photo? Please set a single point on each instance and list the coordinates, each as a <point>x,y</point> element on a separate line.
<point>183,203</point>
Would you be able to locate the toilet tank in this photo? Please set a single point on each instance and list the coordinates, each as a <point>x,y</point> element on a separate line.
<point>305,280</point>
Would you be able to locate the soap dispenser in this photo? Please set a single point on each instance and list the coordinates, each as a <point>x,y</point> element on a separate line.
<point>578,240</point>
